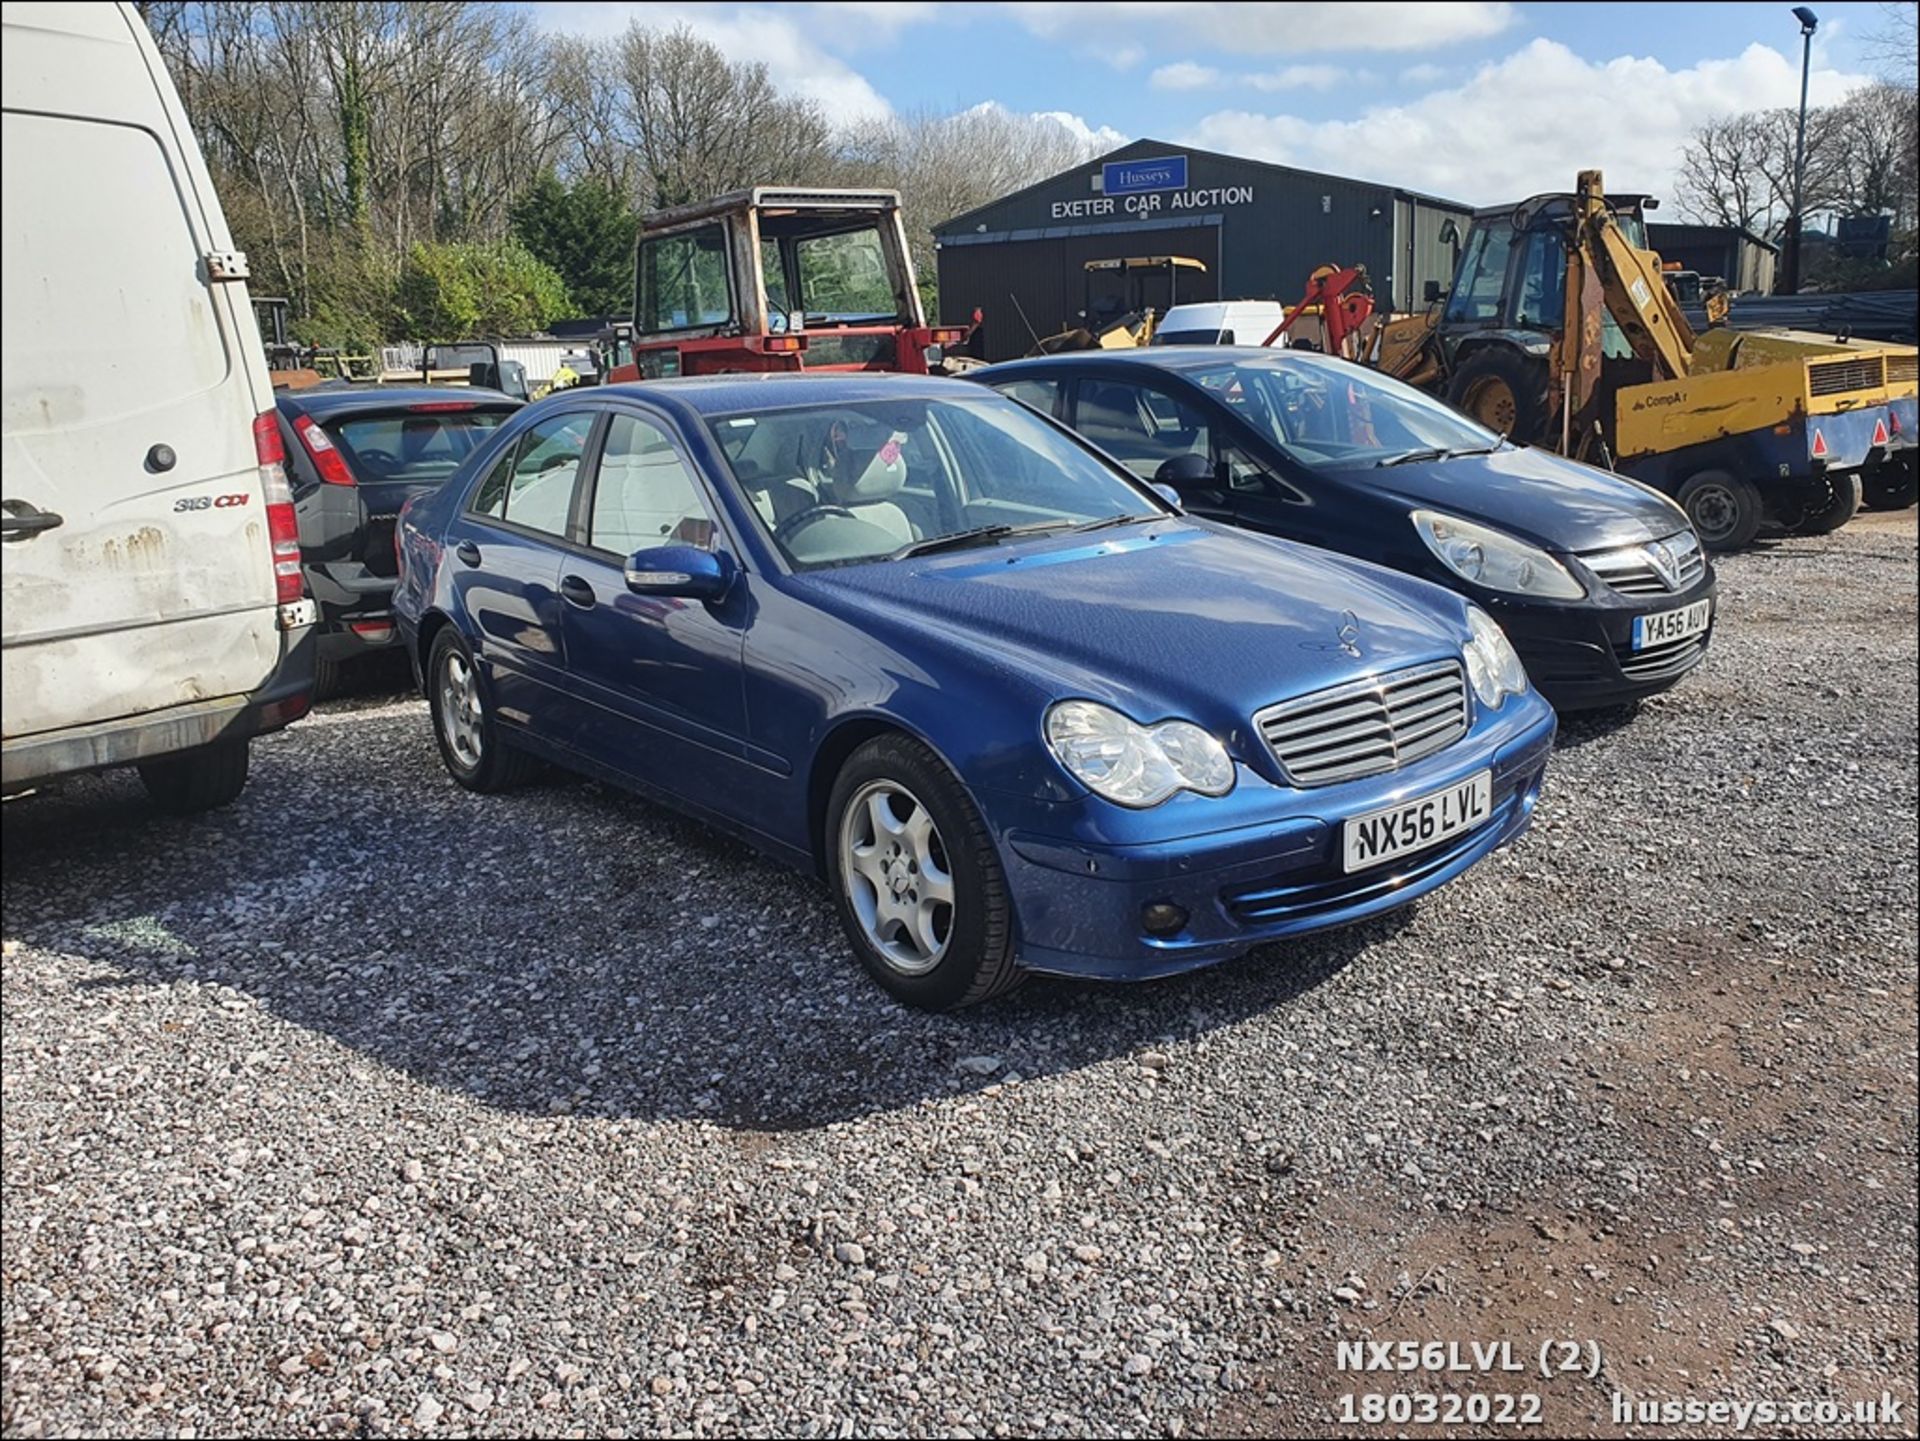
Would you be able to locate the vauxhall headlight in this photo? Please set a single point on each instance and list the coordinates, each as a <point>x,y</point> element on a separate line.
<point>1493,665</point>
<point>1494,559</point>
<point>1136,765</point>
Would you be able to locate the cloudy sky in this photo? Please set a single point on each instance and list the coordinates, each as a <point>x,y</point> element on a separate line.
<point>1477,102</point>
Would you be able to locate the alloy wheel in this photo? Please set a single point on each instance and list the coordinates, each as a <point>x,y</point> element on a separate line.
<point>460,713</point>
<point>894,867</point>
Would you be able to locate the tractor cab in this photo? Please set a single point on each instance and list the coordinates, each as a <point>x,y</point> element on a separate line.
<point>780,278</point>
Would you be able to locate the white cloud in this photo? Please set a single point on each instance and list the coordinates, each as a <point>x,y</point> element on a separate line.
<point>1527,123</point>
<point>1125,57</point>
<point>859,23</point>
<point>1184,75</point>
<point>798,65</point>
<point>1103,137</point>
<point>1249,28</point>
<point>1300,77</point>
<point>1422,74</point>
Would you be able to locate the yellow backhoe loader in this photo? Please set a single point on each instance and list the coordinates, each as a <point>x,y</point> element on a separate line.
<point>1117,309</point>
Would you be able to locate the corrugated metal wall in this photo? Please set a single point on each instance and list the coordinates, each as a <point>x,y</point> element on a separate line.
<point>1273,226</point>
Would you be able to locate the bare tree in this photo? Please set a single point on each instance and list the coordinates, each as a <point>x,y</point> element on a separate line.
<point>1739,170</point>
<point>702,124</point>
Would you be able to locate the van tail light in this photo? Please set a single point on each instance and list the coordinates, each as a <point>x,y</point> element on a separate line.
<point>283,527</point>
<point>325,455</point>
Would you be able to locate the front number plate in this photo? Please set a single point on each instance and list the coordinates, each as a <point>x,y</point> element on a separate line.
<point>1667,626</point>
<point>1379,836</point>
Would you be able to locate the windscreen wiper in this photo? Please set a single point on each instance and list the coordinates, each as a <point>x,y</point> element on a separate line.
<point>979,535</point>
<point>1109,520</point>
<point>1412,457</point>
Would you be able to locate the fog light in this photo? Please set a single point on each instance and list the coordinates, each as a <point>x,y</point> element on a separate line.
<point>1162,918</point>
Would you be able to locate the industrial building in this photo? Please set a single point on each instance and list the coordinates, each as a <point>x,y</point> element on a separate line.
<point>1732,252</point>
<point>1259,229</point>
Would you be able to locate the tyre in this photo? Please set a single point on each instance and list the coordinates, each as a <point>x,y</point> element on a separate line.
<point>198,780</point>
<point>1503,390</point>
<point>1893,486</point>
<point>1842,504</point>
<point>326,678</point>
<point>917,880</point>
<point>476,754</point>
<point>1726,511</point>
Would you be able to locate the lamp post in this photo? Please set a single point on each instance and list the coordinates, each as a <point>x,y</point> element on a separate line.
<point>1809,22</point>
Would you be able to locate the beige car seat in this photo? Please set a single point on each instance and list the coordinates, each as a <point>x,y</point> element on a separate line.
<point>869,490</point>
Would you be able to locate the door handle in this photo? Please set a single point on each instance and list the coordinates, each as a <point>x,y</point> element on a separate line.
<point>575,591</point>
<point>22,520</point>
<point>468,552</point>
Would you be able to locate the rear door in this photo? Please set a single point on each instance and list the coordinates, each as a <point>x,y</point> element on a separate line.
<point>128,398</point>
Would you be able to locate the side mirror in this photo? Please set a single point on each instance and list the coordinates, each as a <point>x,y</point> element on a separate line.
<point>680,570</point>
<point>1168,494</point>
<point>1191,471</point>
<point>1433,292</point>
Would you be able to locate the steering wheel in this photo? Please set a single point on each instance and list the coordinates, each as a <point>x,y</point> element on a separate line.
<point>555,461</point>
<point>379,459</point>
<point>808,516</point>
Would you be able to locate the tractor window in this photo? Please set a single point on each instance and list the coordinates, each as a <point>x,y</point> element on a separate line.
<point>844,278</point>
<point>683,281</point>
<point>1483,275</point>
<point>1542,301</point>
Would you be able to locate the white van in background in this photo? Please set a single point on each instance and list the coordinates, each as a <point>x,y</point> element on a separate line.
<point>1221,322</point>
<point>151,603</point>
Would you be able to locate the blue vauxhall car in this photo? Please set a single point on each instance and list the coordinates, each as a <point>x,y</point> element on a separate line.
<point>1019,711</point>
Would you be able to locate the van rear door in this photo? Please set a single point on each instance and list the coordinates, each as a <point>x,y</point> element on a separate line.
<point>127,396</point>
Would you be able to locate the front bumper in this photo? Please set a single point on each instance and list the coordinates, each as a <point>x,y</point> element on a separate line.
<point>1581,657</point>
<point>1079,902</point>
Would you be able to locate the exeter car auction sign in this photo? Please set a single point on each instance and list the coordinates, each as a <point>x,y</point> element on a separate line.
<point>1141,188</point>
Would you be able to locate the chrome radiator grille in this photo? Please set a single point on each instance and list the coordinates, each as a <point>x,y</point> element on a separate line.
<point>1637,569</point>
<point>1367,727</point>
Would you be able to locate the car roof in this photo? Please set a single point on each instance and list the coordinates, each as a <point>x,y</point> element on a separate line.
<point>334,400</point>
<point>692,397</point>
<point>1157,357</point>
<point>1223,307</point>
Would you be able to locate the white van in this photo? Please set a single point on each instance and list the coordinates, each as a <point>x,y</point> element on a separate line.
<point>1221,322</point>
<point>151,601</point>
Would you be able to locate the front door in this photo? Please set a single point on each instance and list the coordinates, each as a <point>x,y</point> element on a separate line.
<point>656,679</point>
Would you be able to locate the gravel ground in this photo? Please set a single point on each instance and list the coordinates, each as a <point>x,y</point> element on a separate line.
<point>371,1106</point>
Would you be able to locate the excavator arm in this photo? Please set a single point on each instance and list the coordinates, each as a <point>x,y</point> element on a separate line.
<point>1608,275</point>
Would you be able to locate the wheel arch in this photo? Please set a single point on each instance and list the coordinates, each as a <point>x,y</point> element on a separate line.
<point>843,737</point>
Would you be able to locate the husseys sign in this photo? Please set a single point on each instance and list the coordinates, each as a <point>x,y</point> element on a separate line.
<point>1155,186</point>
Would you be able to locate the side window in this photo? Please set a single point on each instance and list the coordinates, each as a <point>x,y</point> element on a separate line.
<point>491,497</point>
<point>539,490</point>
<point>1250,477</point>
<point>645,494</point>
<point>1483,275</point>
<point>683,281</point>
<point>1139,426</point>
<point>1042,395</point>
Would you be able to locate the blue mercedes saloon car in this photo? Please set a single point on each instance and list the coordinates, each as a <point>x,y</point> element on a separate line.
<point>1599,581</point>
<point>1019,711</point>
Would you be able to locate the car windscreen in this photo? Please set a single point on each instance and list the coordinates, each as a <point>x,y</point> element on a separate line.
<point>835,484</point>
<point>412,446</point>
<point>1328,414</point>
<point>1187,337</point>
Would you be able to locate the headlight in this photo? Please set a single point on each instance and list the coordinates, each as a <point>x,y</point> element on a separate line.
<point>1493,665</point>
<point>1131,764</point>
<point>1494,559</point>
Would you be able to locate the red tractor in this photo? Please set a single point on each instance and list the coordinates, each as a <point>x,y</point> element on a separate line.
<point>780,278</point>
